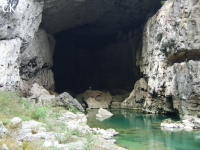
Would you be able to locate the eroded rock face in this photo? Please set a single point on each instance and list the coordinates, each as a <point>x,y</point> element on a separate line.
<point>171,37</point>
<point>22,23</point>
<point>9,63</point>
<point>35,61</point>
<point>20,47</point>
<point>137,97</point>
<point>106,16</point>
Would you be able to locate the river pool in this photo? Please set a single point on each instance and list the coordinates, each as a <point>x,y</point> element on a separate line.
<point>138,131</point>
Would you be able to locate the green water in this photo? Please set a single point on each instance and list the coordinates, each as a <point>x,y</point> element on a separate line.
<point>139,131</point>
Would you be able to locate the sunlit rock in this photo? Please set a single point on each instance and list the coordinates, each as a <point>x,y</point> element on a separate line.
<point>103,114</point>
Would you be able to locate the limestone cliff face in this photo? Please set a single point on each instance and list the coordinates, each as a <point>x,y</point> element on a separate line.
<point>16,31</point>
<point>36,60</point>
<point>26,51</point>
<point>170,58</point>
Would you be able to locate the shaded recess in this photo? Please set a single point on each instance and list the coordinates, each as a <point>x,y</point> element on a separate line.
<point>93,46</point>
<point>83,61</point>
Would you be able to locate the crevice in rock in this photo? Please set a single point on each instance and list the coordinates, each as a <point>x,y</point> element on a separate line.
<point>184,56</point>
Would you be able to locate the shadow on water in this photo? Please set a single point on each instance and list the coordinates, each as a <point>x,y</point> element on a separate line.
<point>138,131</point>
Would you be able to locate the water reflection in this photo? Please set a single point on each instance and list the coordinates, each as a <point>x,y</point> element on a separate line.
<point>142,131</point>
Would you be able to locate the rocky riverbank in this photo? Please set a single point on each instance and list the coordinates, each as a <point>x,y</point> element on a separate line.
<point>65,131</point>
<point>43,121</point>
<point>175,126</point>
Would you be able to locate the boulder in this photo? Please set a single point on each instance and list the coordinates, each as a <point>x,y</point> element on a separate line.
<point>93,103</point>
<point>65,99</point>
<point>137,97</point>
<point>4,147</point>
<point>103,113</point>
<point>186,125</point>
<point>16,122</point>
<point>3,130</point>
<point>97,99</point>
<point>37,91</point>
<point>46,100</point>
<point>196,121</point>
<point>107,134</point>
<point>40,96</point>
<point>73,121</point>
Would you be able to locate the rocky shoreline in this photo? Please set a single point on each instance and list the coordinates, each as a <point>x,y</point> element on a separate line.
<point>175,126</point>
<point>71,132</point>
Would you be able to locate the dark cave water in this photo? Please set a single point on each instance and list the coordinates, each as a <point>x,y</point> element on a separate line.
<point>138,131</point>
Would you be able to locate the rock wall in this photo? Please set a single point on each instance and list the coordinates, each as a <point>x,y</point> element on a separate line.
<point>36,60</point>
<point>9,63</point>
<point>26,51</point>
<point>170,58</point>
<point>16,30</point>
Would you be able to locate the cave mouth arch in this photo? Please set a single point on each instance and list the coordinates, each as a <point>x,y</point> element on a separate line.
<point>83,60</point>
<point>93,47</point>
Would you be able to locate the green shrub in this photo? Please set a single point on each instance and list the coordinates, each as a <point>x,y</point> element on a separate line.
<point>40,112</point>
<point>73,109</point>
<point>162,2</point>
<point>89,142</point>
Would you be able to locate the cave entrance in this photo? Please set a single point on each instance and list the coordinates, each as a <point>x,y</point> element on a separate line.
<point>92,49</point>
<point>83,60</point>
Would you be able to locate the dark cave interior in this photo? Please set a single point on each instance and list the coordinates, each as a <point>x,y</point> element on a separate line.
<point>82,61</point>
<point>100,54</point>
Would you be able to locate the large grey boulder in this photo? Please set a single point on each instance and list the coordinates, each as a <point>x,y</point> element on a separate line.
<point>65,99</point>
<point>97,99</point>
<point>137,97</point>
<point>37,90</point>
<point>40,96</point>
<point>103,113</point>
